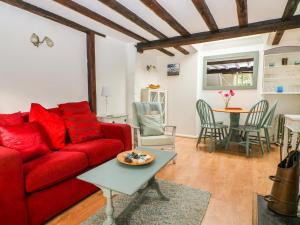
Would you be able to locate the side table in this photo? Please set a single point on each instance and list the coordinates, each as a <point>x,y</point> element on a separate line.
<point>122,118</point>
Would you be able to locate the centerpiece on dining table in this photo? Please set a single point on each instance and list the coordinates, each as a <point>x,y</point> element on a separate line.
<point>226,97</point>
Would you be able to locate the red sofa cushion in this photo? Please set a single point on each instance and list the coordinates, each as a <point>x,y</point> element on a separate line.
<point>11,119</point>
<point>83,127</point>
<point>26,138</point>
<point>97,151</point>
<point>43,205</point>
<point>72,108</point>
<point>52,124</point>
<point>53,168</point>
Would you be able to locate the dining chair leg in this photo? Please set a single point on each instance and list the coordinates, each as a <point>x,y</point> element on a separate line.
<point>260,142</point>
<point>200,137</point>
<point>205,133</point>
<point>228,139</point>
<point>226,132</point>
<point>247,144</point>
<point>242,134</point>
<point>211,140</point>
<point>223,135</point>
<point>219,133</point>
<point>267,136</point>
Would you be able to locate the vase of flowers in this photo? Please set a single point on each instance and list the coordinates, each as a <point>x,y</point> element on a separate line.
<point>227,96</point>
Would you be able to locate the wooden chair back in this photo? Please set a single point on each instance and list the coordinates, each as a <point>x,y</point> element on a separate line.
<point>257,114</point>
<point>267,122</point>
<point>206,114</point>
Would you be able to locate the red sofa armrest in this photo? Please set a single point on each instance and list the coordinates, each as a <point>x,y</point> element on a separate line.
<point>12,192</point>
<point>118,131</point>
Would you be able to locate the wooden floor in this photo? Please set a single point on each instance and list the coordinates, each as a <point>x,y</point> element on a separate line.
<point>228,175</point>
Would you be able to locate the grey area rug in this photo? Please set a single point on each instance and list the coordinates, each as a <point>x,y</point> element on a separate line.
<point>187,206</point>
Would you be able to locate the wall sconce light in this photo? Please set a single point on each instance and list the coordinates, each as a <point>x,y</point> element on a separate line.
<point>150,68</point>
<point>35,40</point>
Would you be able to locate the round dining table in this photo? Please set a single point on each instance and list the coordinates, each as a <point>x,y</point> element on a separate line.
<point>235,114</point>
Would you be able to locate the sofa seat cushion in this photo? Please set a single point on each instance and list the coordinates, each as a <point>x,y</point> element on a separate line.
<point>53,168</point>
<point>97,151</point>
<point>157,140</point>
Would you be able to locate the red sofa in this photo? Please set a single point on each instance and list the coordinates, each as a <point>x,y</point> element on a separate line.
<point>33,192</point>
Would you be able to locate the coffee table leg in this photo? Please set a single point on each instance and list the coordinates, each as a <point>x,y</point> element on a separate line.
<point>154,184</point>
<point>109,207</point>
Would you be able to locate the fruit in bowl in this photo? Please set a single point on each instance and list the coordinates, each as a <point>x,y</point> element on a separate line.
<point>135,158</point>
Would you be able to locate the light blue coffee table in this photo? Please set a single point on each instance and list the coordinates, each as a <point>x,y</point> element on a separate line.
<point>113,176</point>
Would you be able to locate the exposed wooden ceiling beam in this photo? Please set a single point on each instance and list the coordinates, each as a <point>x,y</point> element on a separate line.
<point>164,15</point>
<point>128,14</point>
<point>241,7</point>
<point>289,11</point>
<point>204,11</point>
<point>49,15</point>
<point>226,33</point>
<point>101,19</point>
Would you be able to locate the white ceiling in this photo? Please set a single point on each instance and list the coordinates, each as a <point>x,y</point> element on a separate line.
<point>224,12</point>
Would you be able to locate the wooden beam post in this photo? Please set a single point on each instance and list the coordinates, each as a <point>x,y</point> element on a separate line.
<point>91,67</point>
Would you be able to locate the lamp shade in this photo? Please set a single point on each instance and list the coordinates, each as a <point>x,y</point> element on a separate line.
<point>106,91</point>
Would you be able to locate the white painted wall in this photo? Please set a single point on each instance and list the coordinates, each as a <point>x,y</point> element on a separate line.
<point>111,67</point>
<point>182,89</point>
<point>55,75</point>
<point>45,75</point>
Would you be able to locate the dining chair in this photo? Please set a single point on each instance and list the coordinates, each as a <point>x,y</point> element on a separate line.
<point>253,124</point>
<point>208,125</point>
<point>267,124</point>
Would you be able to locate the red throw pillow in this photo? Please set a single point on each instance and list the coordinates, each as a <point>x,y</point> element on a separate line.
<point>52,124</point>
<point>72,108</point>
<point>11,119</point>
<point>26,138</point>
<point>83,127</point>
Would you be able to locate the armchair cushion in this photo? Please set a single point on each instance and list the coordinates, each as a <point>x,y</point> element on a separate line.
<point>157,140</point>
<point>151,125</point>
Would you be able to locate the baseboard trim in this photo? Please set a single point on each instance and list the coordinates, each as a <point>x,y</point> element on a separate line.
<point>186,136</point>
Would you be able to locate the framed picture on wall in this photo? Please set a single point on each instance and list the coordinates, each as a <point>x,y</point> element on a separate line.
<point>173,69</point>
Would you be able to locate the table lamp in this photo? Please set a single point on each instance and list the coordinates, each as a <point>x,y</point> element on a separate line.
<point>106,92</point>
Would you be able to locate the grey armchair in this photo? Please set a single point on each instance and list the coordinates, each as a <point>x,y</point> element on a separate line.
<point>164,141</point>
